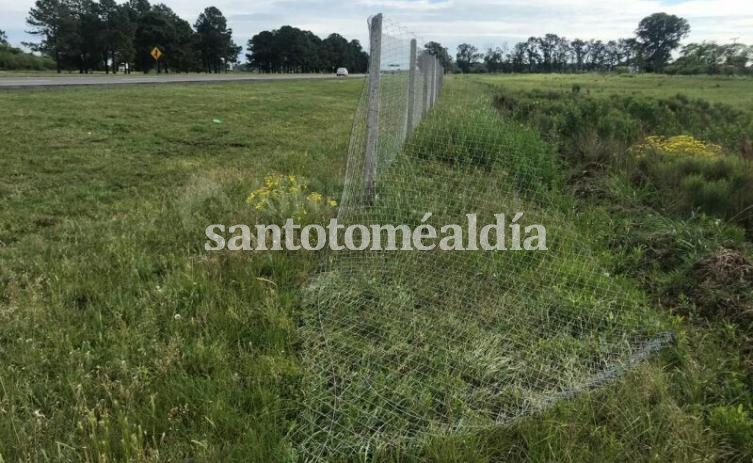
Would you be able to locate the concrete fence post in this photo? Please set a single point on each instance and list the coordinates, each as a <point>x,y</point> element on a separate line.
<point>441,77</point>
<point>438,78</point>
<point>430,72</point>
<point>372,115</point>
<point>425,68</point>
<point>411,89</point>
<point>433,80</point>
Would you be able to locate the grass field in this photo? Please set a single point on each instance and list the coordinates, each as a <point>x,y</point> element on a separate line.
<point>114,321</point>
<point>121,339</point>
<point>734,91</point>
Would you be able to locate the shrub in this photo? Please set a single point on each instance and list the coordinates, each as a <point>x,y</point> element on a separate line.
<point>287,196</point>
<point>735,426</point>
<point>15,59</point>
<point>691,175</point>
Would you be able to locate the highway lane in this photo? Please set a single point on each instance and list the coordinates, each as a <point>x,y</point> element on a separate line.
<point>135,79</point>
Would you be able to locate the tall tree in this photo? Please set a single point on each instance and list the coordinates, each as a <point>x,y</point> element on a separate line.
<point>518,57</point>
<point>336,52</point>
<point>155,28</point>
<point>548,46</point>
<point>261,52</point>
<point>579,53</point>
<point>628,51</point>
<point>54,22</point>
<point>3,38</point>
<point>91,34</point>
<point>613,55</point>
<point>360,59</point>
<point>160,27</point>
<point>657,36</point>
<point>493,59</point>
<point>562,52</point>
<point>117,35</point>
<point>214,41</point>
<point>467,56</point>
<point>596,55</point>
<point>442,54</point>
<point>533,57</point>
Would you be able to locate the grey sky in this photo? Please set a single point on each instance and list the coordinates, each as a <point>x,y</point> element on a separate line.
<point>484,23</point>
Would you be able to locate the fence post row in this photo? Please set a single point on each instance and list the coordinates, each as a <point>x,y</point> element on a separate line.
<point>372,115</point>
<point>433,75</point>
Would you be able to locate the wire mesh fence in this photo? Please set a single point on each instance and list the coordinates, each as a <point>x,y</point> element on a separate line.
<point>403,346</point>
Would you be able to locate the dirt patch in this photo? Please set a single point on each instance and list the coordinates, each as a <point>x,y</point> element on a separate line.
<point>721,286</point>
<point>587,182</point>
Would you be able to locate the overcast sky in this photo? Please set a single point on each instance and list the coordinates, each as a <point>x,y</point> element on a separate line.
<point>484,23</point>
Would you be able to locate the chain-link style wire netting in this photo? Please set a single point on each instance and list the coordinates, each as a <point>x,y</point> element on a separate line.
<point>402,346</point>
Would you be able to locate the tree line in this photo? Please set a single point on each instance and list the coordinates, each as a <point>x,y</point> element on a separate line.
<point>650,50</point>
<point>289,49</point>
<point>103,35</point>
<point>88,35</point>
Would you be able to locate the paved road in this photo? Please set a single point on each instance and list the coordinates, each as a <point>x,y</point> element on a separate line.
<point>78,80</point>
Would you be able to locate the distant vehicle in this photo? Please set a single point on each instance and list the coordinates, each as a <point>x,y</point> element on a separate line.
<point>342,72</point>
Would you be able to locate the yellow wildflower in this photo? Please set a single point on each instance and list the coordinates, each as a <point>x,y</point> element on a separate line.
<point>315,197</point>
<point>685,145</point>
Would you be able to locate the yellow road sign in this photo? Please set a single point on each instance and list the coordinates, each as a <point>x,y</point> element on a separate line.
<point>156,53</point>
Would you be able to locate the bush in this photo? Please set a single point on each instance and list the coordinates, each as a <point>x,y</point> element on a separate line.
<point>735,427</point>
<point>284,196</point>
<point>690,175</point>
<point>14,59</point>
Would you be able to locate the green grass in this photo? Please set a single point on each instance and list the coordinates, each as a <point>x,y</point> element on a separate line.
<point>121,339</point>
<point>734,91</point>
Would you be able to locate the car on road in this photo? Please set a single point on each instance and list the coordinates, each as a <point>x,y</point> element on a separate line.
<point>342,72</point>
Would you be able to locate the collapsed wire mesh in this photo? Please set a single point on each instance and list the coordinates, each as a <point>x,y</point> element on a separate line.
<point>400,347</point>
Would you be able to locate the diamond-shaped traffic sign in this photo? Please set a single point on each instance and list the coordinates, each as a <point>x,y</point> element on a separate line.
<point>156,53</point>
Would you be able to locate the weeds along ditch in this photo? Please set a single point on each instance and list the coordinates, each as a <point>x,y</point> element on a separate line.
<point>686,155</point>
<point>667,185</point>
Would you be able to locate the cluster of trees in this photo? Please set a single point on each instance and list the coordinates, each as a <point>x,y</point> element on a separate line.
<point>89,35</point>
<point>712,58</point>
<point>289,49</point>
<point>656,38</point>
<point>550,53</point>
